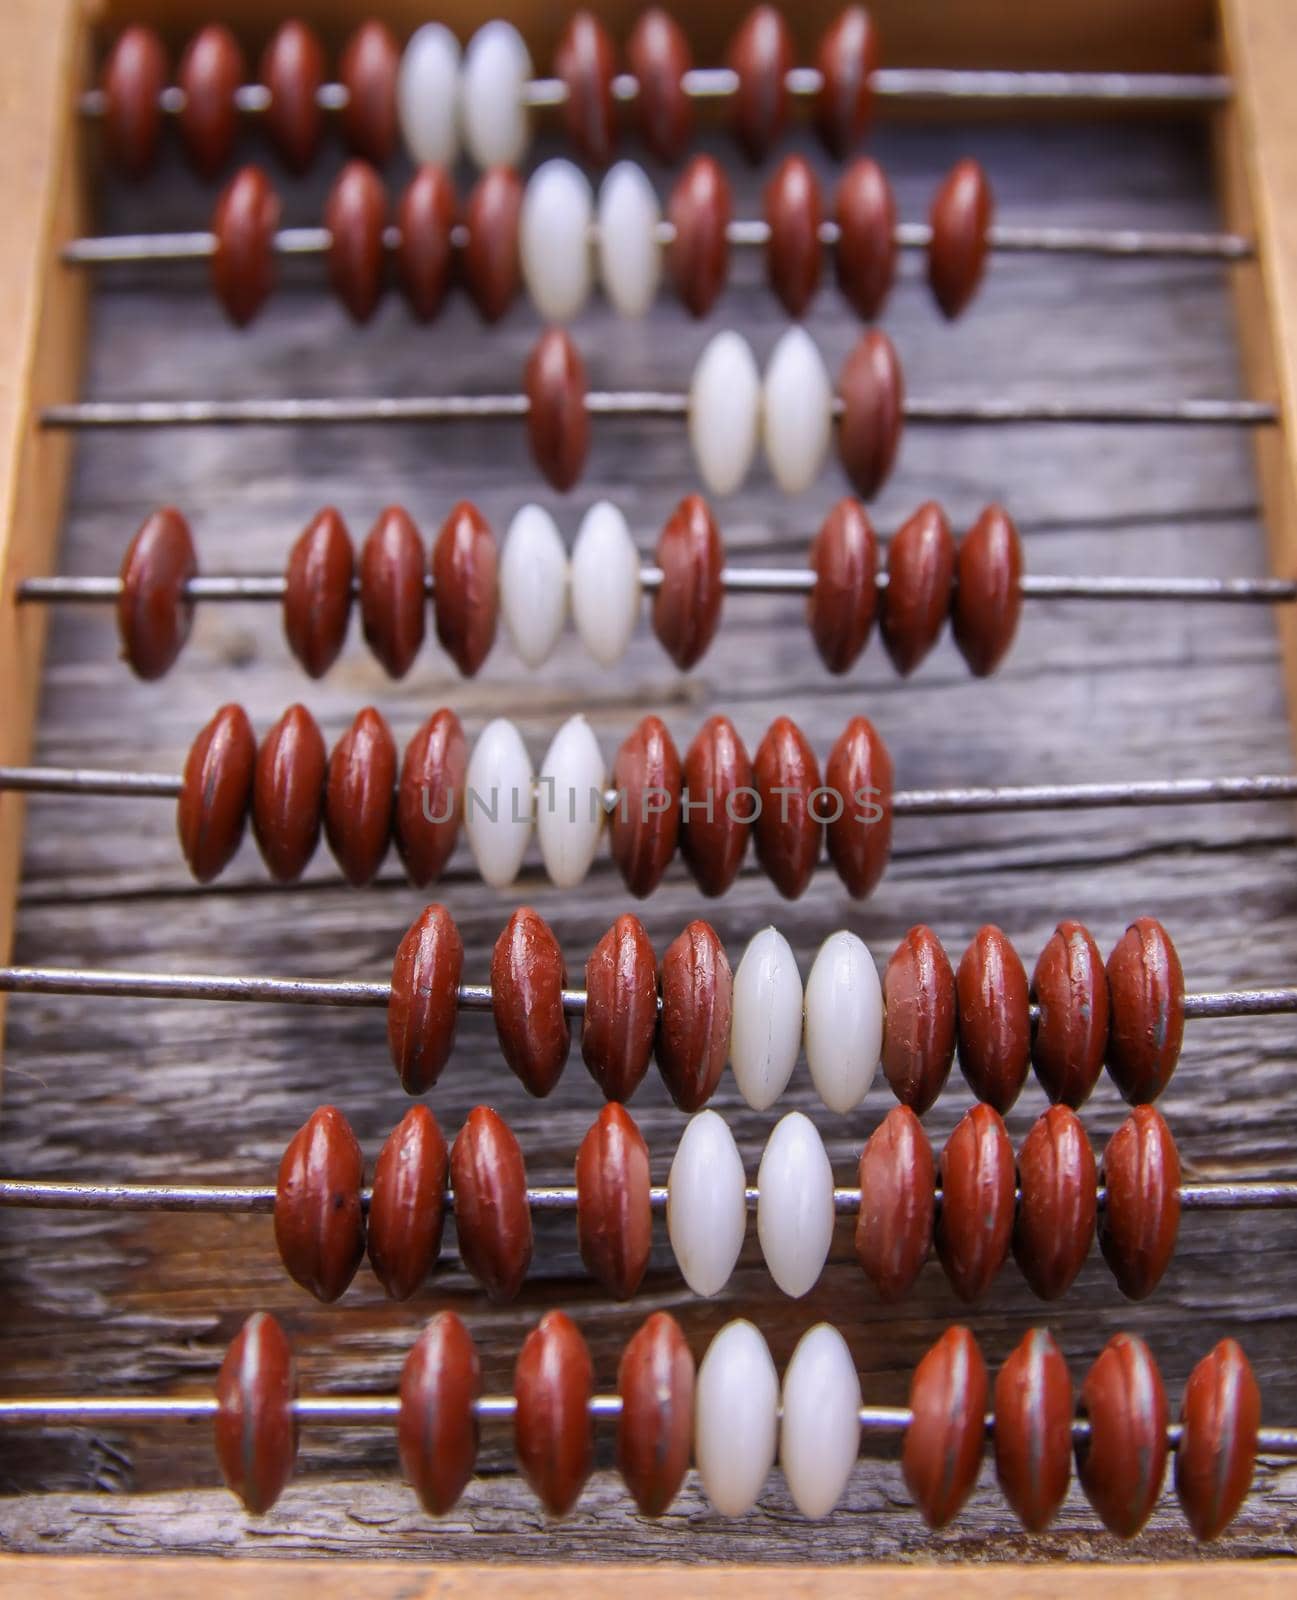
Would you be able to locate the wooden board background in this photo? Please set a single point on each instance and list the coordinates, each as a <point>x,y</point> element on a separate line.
<point>136,1090</point>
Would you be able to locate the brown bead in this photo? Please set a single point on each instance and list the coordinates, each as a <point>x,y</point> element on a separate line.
<point>847,56</point>
<point>1054,1227</point>
<point>424,1008</point>
<point>977,1199</point>
<point>319,1224</point>
<point>553,1430</point>
<point>585,61</point>
<point>841,606</point>
<point>614,1225</point>
<point>859,774</point>
<point>1033,1430</point>
<point>1141,1173</point>
<point>243,260</point>
<point>919,1011</point>
<point>994,1018</point>
<point>393,604</point>
<point>789,835</point>
<point>658,55</point>
<point>645,823</point>
<point>528,976</point>
<point>355,214</point>
<point>292,68</point>
<point>655,1379</point>
<point>1070,989</point>
<point>873,400</point>
<point>210,70</point>
<point>717,805</point>
<point>761,53</point>
<point>256,1431</point>
<point>367,69</point>
<point>358,797</point>
<point>430,797</point>
<point>700,210</point>
<point>216,792</point>
<point>154,614</point>
<point>318,592</point>
<point>491,265</point>
<point>687,604</point>
<point>1123,1461</point>
<point>465,587</point>
<point>621,996</point>
<point>960,220</point>
<point>288,794</point>
<point>694,1027</point>
<point>865,254</point>
<point>988,591</point>
<point>943,1444</point>
<point>407,1208</point>
<point>425,257</point>
<point>1146,1024</point>
<point>920,579</point>
<point>134,76</point>
<point>793,251</point>
<point>558,424</point>
<point>897,1204</point>
<point>492,1216</point>
<point>436,1428</point>
<point>1216,1457</point>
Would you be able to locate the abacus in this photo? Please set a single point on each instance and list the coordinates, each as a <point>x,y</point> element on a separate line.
<point>741,534</point>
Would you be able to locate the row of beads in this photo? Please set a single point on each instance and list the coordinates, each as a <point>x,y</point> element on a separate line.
<point>436,98</point>
<point>738,1419</point>
<point>543,236</point>
<point>1044,1208</point>
<point>531,581</point>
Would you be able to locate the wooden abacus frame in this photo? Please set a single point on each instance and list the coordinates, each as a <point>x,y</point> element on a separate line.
<point>45,54</point>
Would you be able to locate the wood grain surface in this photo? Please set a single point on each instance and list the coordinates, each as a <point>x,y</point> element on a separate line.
<point>136,1090</point>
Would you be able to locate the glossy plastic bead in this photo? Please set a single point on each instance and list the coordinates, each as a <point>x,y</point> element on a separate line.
<point>424,1005</point>
<point>570,803</point>
<point>255,1430</point>
<point>216,793</point>
<point>407,1206</point>
<point>919,999</point>
<point>735,1418</point>
<point>498,805</point>
<point>154,612</point>
<point>942,1453</point>
<point>795,1205</point>
<point>655,1380</point>
<point>358,797</point>
<point>706,1203</point>
<point>766,1030</point>
<point>897,1204</point>
<point>465,587</point>
<point>553,1431</point>
<point>288,794</point>
<point>819,1431</point>
<point>533,584</point>
<point>614,1223</point>
<point>796,411</point>
<point>436,1429</point>
<point>528,976</point>
<point>605,583</point>
<point>844,1021</point>
<point>318,592</point>
<point>492,1216</point>
<point>319,1224</point>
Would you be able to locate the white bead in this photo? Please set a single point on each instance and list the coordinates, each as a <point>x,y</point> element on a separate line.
<point>735,1418</point>
<point>569,803</point>
<point>795,1204</point>
<point>707,1209</point>
<point>427,93</point>
<point>766,1026</point>
<point>498,802</point>
<point>819,1437</point>
<point>605,583</point>
<point>492,111</point>
<point>533,584</point>
<point>554,239</point>
<point>796,411</point>
<point>844,1021</point>
<point>725,412</point>
<point>630,257</point>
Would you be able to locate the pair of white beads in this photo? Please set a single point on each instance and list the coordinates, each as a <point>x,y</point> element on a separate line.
<point>602,579</point>
<point>731,406</point>
<point>738,1424</point>
<point>838,1016</point>
<point>555,239</point>
<point>707,1204</point>
<point>479,95</point>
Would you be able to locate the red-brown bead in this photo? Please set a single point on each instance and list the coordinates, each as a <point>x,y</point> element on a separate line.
<point>1146,1021</point>
<point>621,993</point>
<point>1123,1461</point>
<point>700,210</point>
<point>256,1431</point>
<point>841,607</point>
<point>425,257</point>
<point>658,55</point>
<point>288,794</point>
<point>319,1224</point>
<point>920,579</point>
<point>318,592</point>
<point>1033,1430</point>
<point>465,587</point>
<point>761,53</point>
<point>994,1018</point>
<point>960,220</point>
<point>355,213</point>
<point>873,397</point>
<point>491,266</point>
<point>407,1208</point>
<point>553,1430</point>
<point>717,806</point>
<point>492,1216</point>
<point>292,68</point>
<point>859,773</point>
<point>424,1007</point>
<point>865,254</point>
<point>687,605</point>
<point>614,1225</point>
<point>1070,989</point>
<point>243,260</point>
<point>988,591</point>
<point>558,424</point>
<point>693,1038</point>
<point>216,792</point>
<point>393,605</point>
<point>430,797</point>
<point>655,1379</point>
<point>528,976</point>
<point>847,56</point>
<point>645,823</point>
<point>367,69</point>
<point>133,78</point>
<point>585,61</point>
<point>1216,1458</point>
<point>358,797</point>
<point>1141,1174</point>
<point>154,614</point>
<point>789,835</point>
<point>897,1204</point>
<point>210,70</point>
<point>977,1200</point>
<point>920,1019</point>
<point>944,1441</point>
<point>436,1429</point>
<point>1057,1181</point>
<point>793,251</point>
